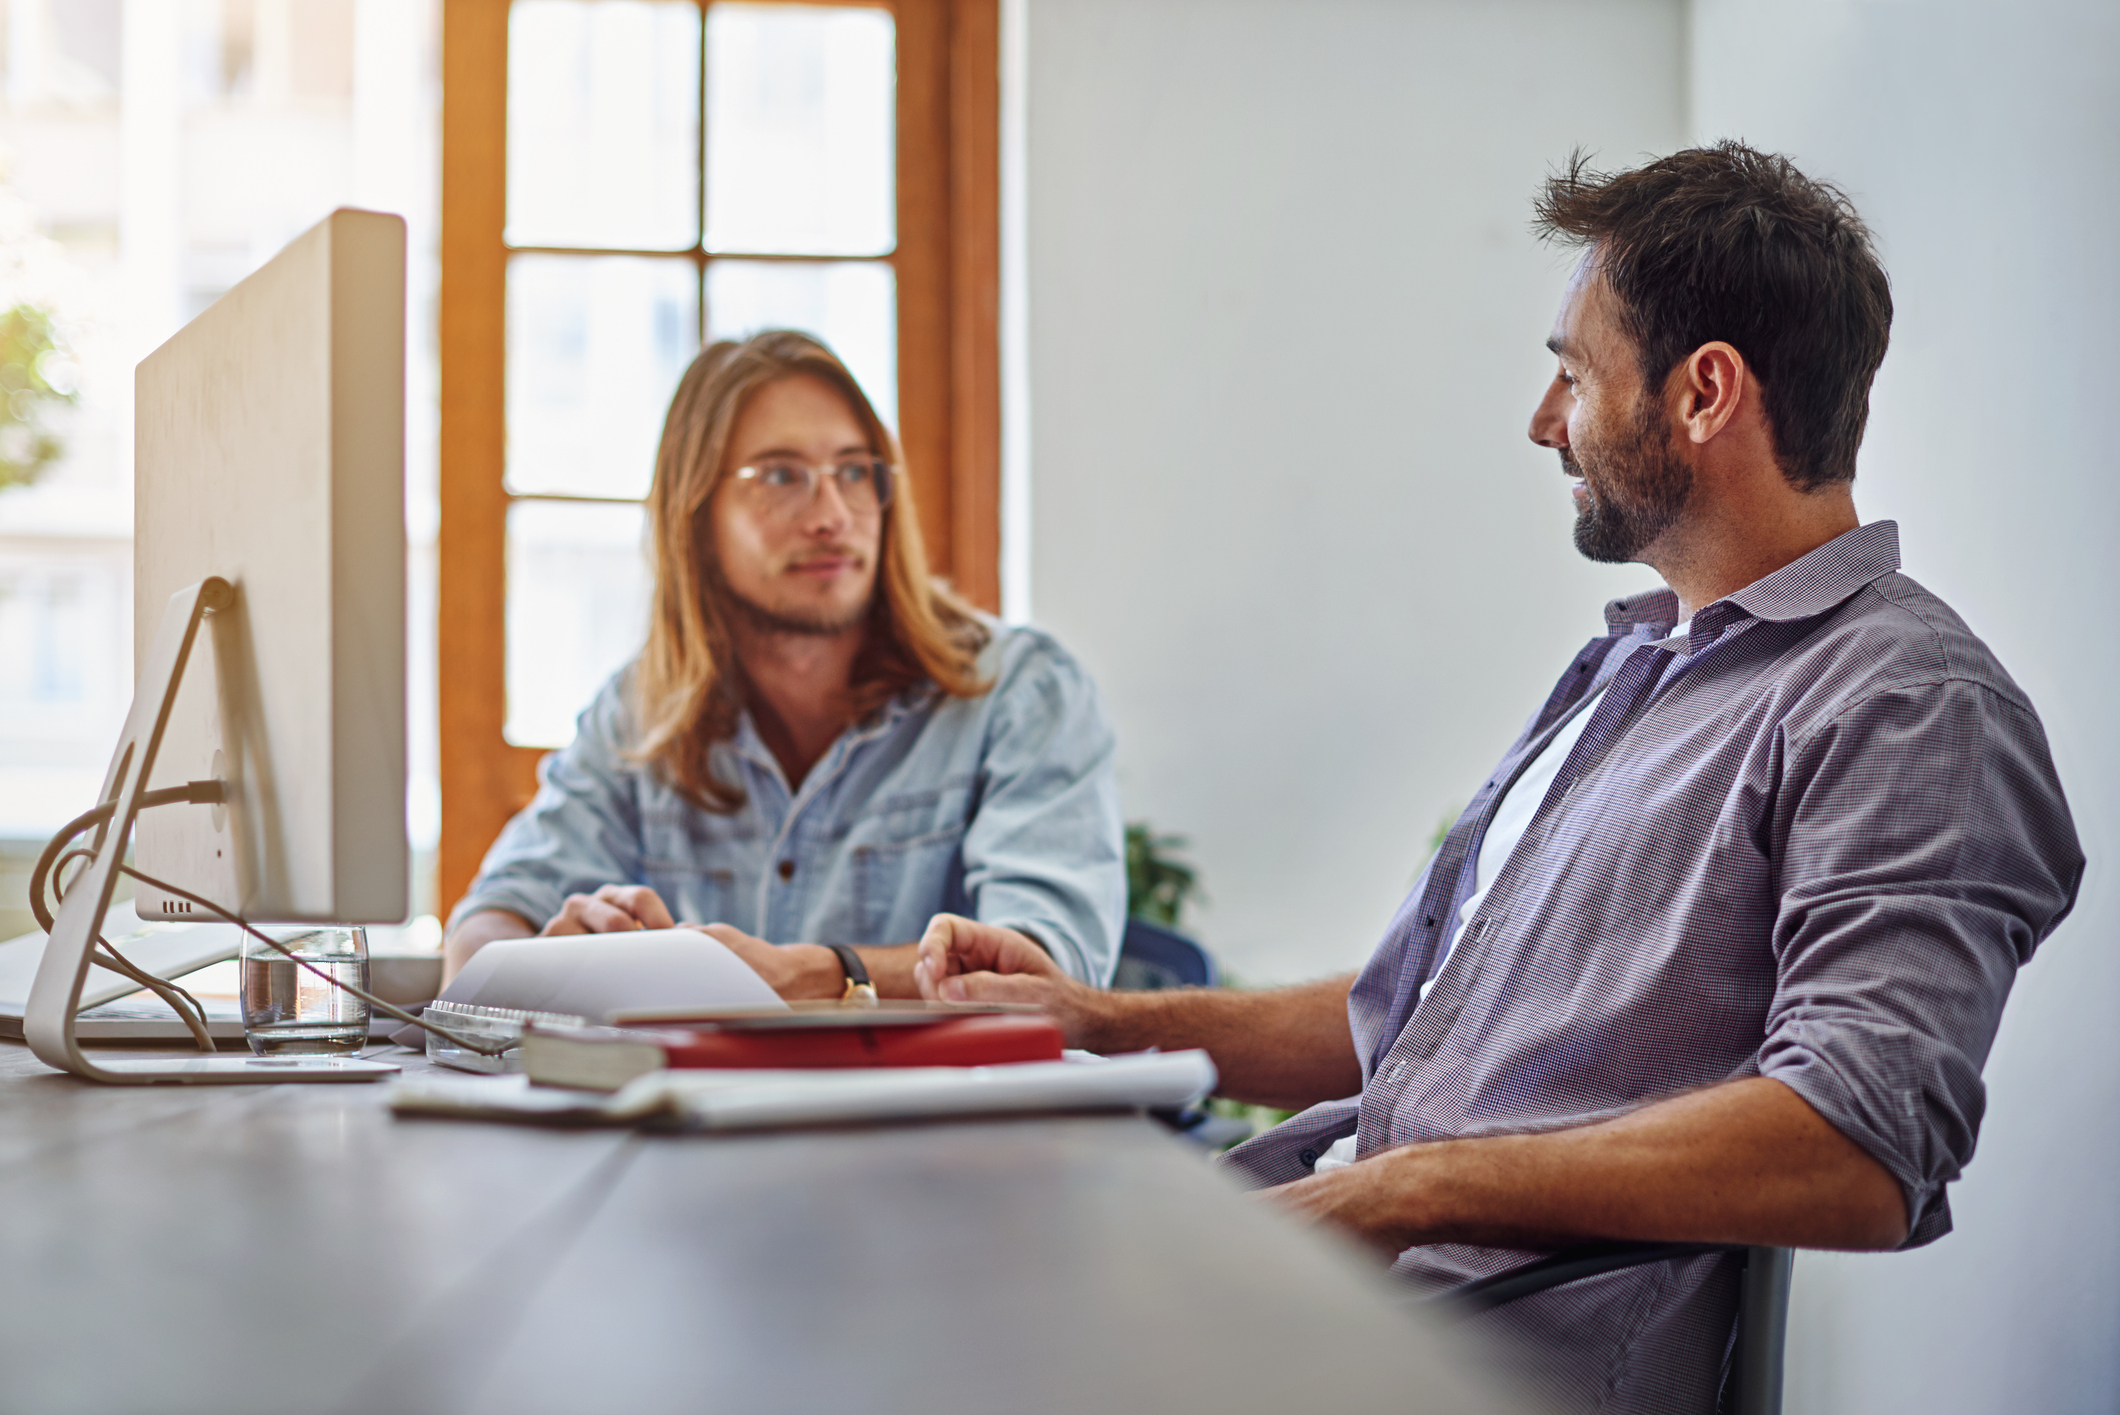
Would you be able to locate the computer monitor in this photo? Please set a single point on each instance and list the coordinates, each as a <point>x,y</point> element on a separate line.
<point>269,605</point>
<point>269,439</point>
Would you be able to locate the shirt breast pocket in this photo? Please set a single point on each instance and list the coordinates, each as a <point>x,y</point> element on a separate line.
<point>899,886</point>
<point>907,862</point>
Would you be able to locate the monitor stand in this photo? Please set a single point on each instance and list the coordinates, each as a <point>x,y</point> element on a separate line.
<point>48,1021</point>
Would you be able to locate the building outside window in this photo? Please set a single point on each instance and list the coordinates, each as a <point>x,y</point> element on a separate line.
<point>628,236</point>
<point>152,154</point>
<point>670,171</point>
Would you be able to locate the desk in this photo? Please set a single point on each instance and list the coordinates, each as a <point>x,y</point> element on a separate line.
<point>297,1249</point>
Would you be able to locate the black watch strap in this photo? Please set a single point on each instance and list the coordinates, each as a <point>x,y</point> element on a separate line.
<point>858,985</point>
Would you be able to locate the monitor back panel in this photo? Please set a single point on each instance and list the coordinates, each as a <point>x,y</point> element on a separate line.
<point>270,451</point>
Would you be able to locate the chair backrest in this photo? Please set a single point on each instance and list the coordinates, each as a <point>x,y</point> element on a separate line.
<point>1753,1383</point>
<point>1754,1387</point>
<point>1151,957</point>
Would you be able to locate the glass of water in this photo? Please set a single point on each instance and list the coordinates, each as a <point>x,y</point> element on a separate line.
<point>290,1009</point>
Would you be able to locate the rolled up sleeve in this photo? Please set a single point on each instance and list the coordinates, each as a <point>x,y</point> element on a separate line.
<point>1045,850</point>
<point>581,832</point>
<point>1927,851</point>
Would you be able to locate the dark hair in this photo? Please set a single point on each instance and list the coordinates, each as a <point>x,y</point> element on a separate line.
<point>1729,243</point>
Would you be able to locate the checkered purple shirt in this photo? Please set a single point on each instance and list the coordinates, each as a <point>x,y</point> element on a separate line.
<point>1813,840</point>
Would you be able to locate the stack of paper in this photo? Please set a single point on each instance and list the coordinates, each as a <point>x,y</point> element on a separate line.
<point>593,975</point>
<point>755,1100</point>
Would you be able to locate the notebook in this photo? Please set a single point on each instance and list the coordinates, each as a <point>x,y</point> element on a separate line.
<point>114,1008</point>
<point>764,1100</point>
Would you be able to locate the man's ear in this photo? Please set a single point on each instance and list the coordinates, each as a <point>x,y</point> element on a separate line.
<point>1711,389</point>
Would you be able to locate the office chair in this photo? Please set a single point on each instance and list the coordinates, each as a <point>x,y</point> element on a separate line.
<point>1151,957</point>
<point>1752,1385</point>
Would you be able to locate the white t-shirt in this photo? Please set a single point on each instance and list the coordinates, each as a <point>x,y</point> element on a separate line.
<point>1512,817</point>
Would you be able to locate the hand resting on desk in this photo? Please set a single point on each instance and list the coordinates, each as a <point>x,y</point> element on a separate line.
<point>616,908</point>
<point>963,960</point>
<point>795,970</point>
<point>1287,1047</point>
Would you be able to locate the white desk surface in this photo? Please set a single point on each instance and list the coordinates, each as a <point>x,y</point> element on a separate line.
<point>295,1248</point>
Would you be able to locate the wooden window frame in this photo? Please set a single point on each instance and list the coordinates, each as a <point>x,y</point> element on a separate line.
<point>947,261</point>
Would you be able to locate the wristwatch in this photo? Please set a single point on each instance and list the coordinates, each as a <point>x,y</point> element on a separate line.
<point>859,988</point>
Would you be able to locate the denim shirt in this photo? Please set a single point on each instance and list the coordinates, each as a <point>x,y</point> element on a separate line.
<point>1003,807</point>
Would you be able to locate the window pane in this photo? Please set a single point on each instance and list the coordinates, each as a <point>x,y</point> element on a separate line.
<point>65,680</point>
<point>800,119</point>
<point>596,345</point>
<point>850,304</point>
<point>577,610</point>
<point>603,123</point>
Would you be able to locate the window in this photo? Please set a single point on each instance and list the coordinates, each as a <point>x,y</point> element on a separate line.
<point>155,154</point>
<point>622,181</point>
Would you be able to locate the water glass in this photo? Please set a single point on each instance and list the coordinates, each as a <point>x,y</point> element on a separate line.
<point>288,1009</point>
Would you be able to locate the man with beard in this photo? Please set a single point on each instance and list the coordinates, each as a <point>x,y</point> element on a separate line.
<point>819,747</point>
<point>1717,951</point>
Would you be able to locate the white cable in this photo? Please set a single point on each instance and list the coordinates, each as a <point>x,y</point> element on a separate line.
<point>387,1009</point>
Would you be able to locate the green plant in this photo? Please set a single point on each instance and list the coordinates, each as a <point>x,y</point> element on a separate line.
<point>35,377</point>
<point>1157,885</point>
<point>1157,888</point>
<point>1261,1118</point>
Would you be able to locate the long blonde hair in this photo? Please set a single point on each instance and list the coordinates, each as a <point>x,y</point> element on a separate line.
<point>687,685</point>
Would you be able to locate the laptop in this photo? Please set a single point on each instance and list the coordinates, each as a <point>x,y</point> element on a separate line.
<point>114,1008</point>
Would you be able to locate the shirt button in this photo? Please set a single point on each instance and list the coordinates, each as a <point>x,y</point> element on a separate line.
<point>787,869</point>
<point>1309,1157</point>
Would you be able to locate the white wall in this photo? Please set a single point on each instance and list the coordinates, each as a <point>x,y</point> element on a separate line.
<point>1284,336</point>
<point>1982,142</point>
<point>1285,327</point>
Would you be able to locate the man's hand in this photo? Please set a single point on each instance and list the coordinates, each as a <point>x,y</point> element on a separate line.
<point>1363,1201</point>
<point>1744,1162</point>
<point>963,960</point>
<point>616,908</point>
<point>794,970</point>
<point>1289,1047</point>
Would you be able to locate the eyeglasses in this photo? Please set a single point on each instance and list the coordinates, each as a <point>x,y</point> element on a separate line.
<point>785,487</point>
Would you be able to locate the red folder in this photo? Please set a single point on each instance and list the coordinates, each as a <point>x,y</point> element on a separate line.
<point>604,1058</point>
<point>953,1041</point>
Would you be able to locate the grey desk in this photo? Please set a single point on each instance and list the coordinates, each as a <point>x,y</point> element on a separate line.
<point>296,1249</point>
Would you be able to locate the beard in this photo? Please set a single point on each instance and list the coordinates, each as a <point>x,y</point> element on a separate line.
<point>1633,492</point>
<point>820,623</point>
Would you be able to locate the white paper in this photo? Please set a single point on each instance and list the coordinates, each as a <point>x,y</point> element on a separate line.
<point>595,975</point>
<point>757,1100</point>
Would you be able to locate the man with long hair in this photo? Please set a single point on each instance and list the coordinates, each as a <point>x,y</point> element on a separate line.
<point>820,746</point>
<point>1717,951</point>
